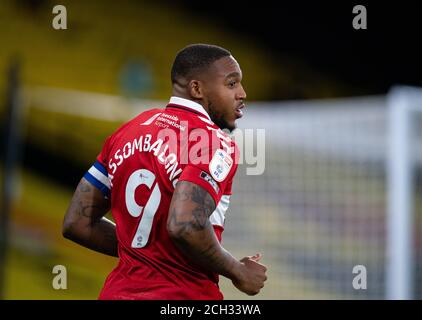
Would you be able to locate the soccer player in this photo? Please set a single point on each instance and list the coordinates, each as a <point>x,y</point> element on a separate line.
<point>167,177</point>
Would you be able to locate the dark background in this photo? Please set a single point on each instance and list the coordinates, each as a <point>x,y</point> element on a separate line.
<point>320,34</point>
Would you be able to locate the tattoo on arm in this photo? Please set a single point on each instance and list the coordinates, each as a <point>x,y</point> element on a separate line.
<point>201,203</point>
<point>85,187</point>
<point>194,235</point>
<point>85,222</point>
<point>88,204</point>
<point>90,210</point>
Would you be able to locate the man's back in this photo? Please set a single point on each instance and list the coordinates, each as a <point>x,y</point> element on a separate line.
<point>144,160</point>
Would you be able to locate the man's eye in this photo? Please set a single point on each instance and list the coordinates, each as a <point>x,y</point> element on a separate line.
<point>232,84</point>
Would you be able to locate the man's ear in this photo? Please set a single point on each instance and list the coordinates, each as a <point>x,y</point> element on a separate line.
<point>195,89</point>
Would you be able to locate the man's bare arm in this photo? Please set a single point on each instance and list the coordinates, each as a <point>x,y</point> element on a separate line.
<point>189,227</point>
<point>84,222</point>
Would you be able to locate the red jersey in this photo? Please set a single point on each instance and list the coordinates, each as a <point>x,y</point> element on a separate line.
<point>138,169</point>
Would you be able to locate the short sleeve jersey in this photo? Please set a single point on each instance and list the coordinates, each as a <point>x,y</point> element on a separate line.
<point>138,169</point>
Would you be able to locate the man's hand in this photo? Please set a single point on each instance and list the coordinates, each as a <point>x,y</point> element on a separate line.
<point>84,222</point>
<point>189,227</point>
<point>252,276</point>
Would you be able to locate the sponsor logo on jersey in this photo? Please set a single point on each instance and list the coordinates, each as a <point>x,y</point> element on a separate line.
<point>171,120</point>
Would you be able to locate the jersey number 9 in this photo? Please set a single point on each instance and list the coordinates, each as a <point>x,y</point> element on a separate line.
<point>136,179</point>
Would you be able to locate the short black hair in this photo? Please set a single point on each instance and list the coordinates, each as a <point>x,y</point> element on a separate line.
<point>195,58</point>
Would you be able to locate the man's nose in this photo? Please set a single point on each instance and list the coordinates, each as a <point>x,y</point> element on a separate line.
<point>241,94</point>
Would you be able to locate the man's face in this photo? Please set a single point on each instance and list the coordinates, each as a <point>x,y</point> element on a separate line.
<point>223,92</point>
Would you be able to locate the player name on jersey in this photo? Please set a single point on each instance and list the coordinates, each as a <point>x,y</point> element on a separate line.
<point>144,144</point>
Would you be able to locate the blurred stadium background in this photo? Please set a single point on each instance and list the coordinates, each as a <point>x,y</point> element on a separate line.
<point>320,208</point>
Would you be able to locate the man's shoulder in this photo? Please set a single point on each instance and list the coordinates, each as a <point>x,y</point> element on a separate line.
<point>147,114</point>
<point>145,117</point>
